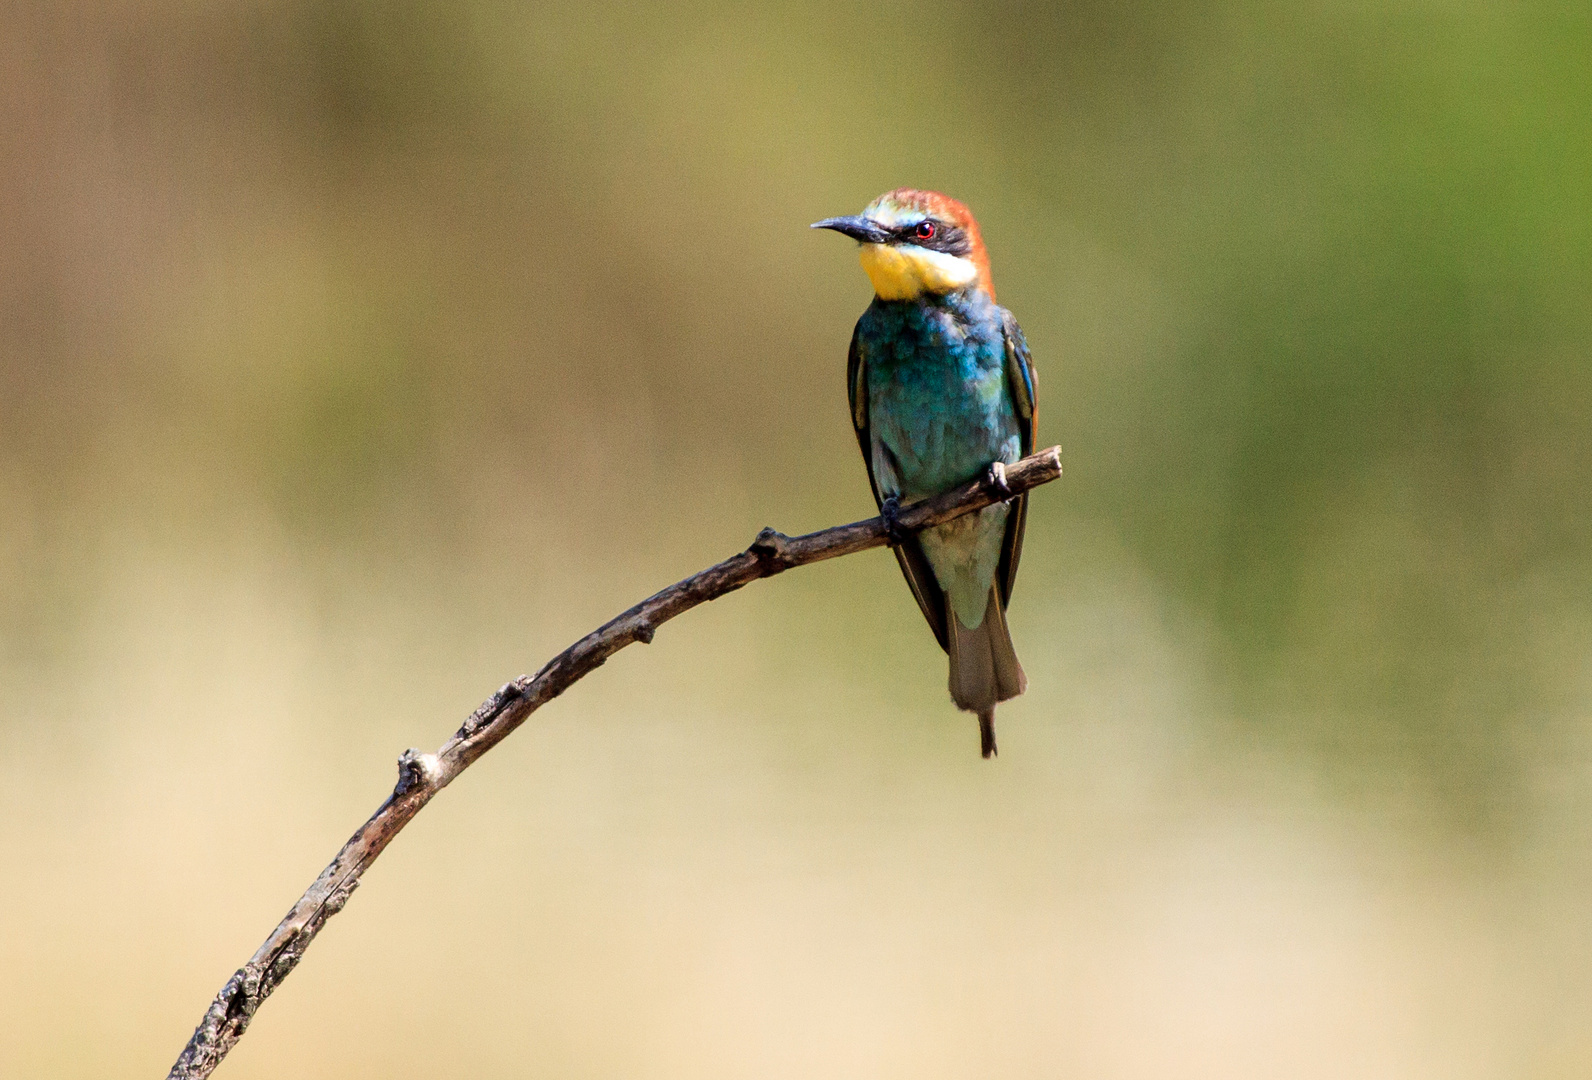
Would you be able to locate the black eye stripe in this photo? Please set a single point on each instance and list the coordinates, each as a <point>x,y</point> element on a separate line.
<point>947,238</point>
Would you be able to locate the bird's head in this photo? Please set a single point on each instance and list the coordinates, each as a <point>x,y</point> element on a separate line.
<point>916,242</point>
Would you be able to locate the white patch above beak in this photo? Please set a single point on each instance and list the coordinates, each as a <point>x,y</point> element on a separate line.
<point>892,215</point>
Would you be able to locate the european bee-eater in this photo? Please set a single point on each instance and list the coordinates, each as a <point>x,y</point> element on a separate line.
<point>942,386</point>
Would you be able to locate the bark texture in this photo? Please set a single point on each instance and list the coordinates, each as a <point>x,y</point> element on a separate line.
<point>421,776</point>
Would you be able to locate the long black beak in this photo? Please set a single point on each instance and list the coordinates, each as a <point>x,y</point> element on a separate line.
<point>860,229</point>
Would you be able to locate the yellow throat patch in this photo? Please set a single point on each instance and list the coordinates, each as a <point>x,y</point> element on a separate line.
<point>901,272</point>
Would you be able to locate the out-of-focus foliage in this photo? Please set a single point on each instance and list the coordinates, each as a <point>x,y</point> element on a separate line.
<point>356,355</point>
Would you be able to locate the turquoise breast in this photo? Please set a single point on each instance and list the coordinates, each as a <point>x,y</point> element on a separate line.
<point>939,411</point>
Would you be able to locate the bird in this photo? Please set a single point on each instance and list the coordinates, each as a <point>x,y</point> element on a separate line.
<point>942,390</point>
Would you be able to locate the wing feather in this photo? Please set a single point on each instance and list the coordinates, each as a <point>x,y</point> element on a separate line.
<point>914,564</point>
<point>1021,380</point>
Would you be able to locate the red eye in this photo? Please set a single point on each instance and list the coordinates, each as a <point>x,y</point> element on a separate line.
<point>925,230</point>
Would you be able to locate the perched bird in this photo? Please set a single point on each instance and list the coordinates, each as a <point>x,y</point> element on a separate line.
<point>942,387</point>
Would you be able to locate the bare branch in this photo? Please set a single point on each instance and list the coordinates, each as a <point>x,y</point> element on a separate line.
<point>421,776</point>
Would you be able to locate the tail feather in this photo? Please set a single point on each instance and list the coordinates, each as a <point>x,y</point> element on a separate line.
<point>986,732</point>
<point>984,667</point>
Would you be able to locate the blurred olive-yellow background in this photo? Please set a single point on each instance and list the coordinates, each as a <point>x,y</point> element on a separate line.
<point>357,356</point>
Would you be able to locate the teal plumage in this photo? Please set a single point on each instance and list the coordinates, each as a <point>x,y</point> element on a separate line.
<point>941,385</point>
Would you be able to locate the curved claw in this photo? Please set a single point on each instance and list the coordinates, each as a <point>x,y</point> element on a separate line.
<point>890,511</point>
<point>995,480</point>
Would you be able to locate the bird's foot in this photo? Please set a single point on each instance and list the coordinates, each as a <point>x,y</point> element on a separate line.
<point>995,480</point>
<point>890,511</point>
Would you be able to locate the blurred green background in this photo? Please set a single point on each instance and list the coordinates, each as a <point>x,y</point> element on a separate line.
<point>357,356</point>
